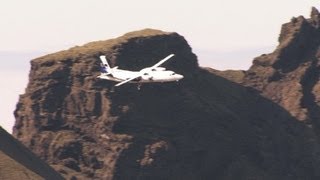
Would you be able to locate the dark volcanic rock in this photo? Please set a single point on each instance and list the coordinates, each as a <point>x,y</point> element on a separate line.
<point>204,127</point>
<point>290,75</point>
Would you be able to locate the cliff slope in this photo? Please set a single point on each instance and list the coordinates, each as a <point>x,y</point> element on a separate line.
<point>17,162</point>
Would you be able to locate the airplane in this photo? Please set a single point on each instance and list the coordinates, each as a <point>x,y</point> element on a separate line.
<point>151,74</point>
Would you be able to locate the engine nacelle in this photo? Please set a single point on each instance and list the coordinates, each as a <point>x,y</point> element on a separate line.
<point>147,70</point>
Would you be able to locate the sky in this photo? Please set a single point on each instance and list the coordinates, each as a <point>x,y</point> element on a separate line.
<point>224,34</point>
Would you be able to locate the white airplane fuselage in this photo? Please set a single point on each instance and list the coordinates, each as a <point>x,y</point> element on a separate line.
<point>146,75</point>
<point>151,74</point>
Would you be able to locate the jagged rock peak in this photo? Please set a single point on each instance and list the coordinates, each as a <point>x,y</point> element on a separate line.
<point>314,13</point>
<point>298,41</point>
<point>315,17</point>
<point>292,69</point>
<point>298,25</point>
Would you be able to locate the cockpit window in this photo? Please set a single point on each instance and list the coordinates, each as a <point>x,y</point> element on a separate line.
<point>173,74</point>
<point>146,74</point>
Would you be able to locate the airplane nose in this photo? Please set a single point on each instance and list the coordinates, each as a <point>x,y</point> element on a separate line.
<point>180,76</point>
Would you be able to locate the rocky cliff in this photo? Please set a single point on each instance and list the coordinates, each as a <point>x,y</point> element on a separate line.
<point>290,75</point>
<point>203,127</point>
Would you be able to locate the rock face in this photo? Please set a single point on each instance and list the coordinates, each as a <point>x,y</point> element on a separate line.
<point>290,75</point>
<point>204,127</point>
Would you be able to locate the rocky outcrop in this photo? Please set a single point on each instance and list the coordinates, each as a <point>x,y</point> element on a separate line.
<point>290,75</point>
<point>203,127</point>
<point>17,162</point>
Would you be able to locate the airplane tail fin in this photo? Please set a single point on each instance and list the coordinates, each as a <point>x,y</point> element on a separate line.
<point>105,68</point>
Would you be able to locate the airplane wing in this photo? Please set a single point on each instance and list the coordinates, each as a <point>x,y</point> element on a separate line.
<point>128,80</point>
<point>162,61</point>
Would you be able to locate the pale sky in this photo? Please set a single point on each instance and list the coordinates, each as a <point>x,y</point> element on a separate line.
<point>225,34</point>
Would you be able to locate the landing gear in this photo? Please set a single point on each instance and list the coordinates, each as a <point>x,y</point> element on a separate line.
<point>139,86</point>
